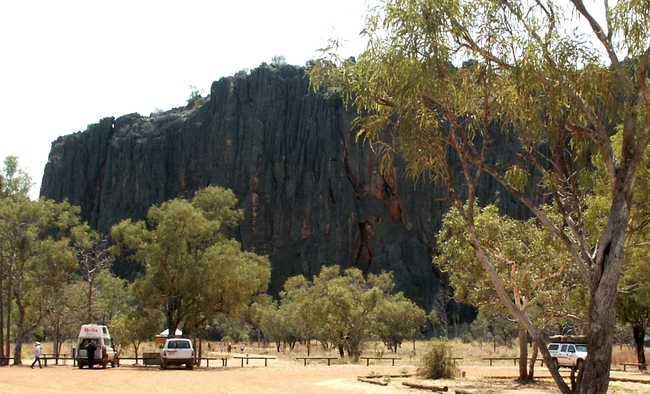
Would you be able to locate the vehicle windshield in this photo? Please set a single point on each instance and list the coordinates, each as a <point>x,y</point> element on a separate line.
<point>581,348</point>
<point>178,345</point>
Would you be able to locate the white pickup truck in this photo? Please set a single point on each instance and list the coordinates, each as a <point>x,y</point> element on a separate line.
<point>177,351</point>
<point>570,355</point>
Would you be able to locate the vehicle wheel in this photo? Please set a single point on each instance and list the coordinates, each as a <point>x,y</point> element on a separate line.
<point>104,357</point>
<point>163,366</point>
<point>80,365</point>
<point>190,366</point>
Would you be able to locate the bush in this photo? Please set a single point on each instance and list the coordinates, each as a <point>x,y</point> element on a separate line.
<point>196,99</point>
<point>334,97</point>
<point>437,362</point>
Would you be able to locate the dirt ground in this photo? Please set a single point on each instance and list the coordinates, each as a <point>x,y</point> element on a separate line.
<point>281,376</point>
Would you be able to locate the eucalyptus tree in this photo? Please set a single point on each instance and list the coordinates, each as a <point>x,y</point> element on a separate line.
<point>112,297</point>
<point>134,327</point>
<point>529,77</point>
<point>529,264</point>
<point>279,325</point>
<point>40,257</point>
<point>300,301</point>
<point>192,271</point>
<point>94,259</point>
<point>351,302</point>
<point>633,301</point>
<point>399,319</point>
<point>13,182</point>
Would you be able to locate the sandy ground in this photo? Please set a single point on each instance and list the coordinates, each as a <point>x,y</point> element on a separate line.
<point>281,376</point>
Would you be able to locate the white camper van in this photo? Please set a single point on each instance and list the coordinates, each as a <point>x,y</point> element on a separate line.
<point>101,338</point>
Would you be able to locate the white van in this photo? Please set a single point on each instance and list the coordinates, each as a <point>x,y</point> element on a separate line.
<point>101,338</point>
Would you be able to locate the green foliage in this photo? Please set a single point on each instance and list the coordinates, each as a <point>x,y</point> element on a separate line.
<point>193,272</point>
<point>112,297</point>
<point>344,309</point>
<point>232,328</point>
<point>437,361</point>
<point>13,180</point>
<point>530,264</point>
<point>196,97</point>
<point>135,327</point>
<point>517,177</point>
<point>36,252</point>
<point>278,61</point>
<point>333,97</point>
<point>398,318</point>
<point>280,324</point>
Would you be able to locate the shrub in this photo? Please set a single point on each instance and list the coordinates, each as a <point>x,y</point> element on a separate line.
<point>278,61</point>
<point>334,97</point>
<point>437,362</point>
<point>196,99</point>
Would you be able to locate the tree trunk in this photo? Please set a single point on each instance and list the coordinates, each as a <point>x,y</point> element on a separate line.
<point>2,315</point>
<point>90,302</point>
<point>523,353</point>
<point>638,332</point>
<point>308,346</point>
<point>594,379</point>
<point>9,291</point>
<point>533,358</point>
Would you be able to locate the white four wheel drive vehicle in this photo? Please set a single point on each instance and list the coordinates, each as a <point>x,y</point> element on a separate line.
<point>177,351</point>
<point>101,339</point>
<point>570,355</point>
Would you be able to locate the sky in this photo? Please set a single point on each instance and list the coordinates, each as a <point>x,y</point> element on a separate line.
<point>67,64</point>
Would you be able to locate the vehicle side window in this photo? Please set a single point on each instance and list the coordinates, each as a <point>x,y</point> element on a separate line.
<point>553,347</point>
<point>572,349</point>
<point>563,348</point>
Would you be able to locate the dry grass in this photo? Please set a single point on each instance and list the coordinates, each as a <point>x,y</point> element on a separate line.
<point>624,354</point>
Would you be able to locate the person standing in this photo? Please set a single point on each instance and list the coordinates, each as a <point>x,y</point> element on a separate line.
<point>90,352</point>
<point>37,354</point>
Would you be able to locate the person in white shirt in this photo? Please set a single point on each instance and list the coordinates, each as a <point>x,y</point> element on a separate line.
<point>37,354</point>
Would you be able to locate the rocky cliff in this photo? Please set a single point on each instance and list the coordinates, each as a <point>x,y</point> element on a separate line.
<point>312,194</point>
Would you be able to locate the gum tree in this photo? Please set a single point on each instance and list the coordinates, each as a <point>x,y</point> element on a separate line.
<point>192,271</point>
<point>40,257</point>
<point>532,269</point>
<point>443,82</point>
<point>633,301</point>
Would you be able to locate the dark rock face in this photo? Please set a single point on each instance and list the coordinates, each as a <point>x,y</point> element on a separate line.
<point>312,194</point>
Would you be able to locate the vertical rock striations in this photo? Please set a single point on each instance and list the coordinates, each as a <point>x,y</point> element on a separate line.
<point>312,194</point>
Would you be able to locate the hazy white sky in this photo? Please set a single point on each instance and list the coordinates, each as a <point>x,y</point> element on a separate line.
<point>66,64</point>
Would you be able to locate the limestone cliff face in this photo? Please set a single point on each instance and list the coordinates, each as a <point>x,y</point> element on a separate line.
<point>312,194</point>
